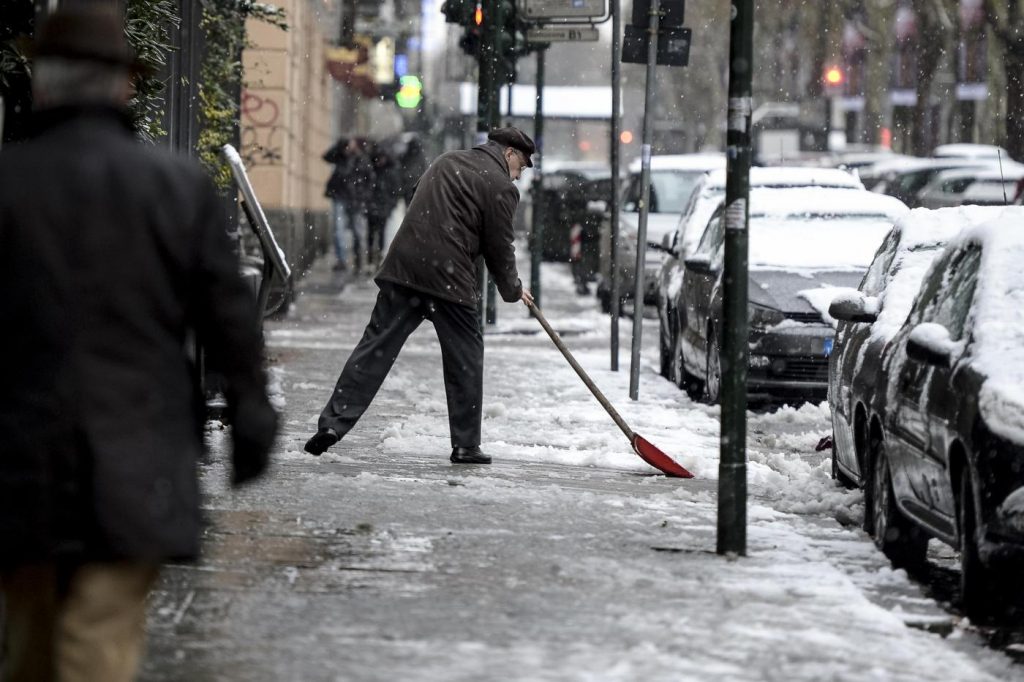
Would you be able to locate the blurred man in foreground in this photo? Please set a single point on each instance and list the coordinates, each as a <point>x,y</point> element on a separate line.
<point>111,254</point>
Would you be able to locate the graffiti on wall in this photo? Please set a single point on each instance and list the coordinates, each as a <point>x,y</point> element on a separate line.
<point>262,133</point>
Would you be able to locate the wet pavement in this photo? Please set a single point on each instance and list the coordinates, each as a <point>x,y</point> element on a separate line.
<point>382,561</point>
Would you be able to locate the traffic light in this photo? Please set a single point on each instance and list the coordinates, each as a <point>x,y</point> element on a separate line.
<point>410,93</point>
<point>833,80</point>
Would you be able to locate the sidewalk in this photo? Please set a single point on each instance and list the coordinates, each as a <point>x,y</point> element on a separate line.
<point>565,560</point>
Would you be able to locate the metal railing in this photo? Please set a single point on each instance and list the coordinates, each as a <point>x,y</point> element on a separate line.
<point>274,260</point>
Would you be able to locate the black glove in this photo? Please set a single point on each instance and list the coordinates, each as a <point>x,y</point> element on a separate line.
<point>254,425</point>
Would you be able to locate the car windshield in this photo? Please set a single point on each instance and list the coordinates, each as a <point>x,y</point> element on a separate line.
<point>670,190</point>
<point>817,241</point>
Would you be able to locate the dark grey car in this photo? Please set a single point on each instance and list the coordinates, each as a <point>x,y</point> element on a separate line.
<point>945,453</point>
<point>811,241</point>
<point>882,302</point>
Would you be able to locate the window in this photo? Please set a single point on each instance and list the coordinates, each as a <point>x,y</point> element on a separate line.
<point>878,272</point>
<point>948,293</point>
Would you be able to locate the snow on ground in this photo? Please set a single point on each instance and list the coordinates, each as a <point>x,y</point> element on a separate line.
<point>562,527</point>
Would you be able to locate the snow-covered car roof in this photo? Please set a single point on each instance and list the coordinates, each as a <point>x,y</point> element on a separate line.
<point>998,318</point>
<point>922,233</point>
<point>689,162</point>
<point>789,176</point>
<point>785,202</point>
<point>970,151</point>
<point>818,228</point>
<point>913,163</point>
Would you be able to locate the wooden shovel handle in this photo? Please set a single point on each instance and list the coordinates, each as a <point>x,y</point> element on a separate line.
<point>579,370</point>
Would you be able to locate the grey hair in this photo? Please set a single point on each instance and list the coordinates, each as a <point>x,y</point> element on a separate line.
<point>57,81</point>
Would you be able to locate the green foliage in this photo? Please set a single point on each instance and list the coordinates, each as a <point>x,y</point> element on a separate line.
<point>148,25</point>
<point>223,23</point>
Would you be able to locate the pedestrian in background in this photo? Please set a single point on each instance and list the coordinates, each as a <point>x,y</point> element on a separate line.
<point>412,163</point>
<point>383,199</point>
<point>349,188</point>
<point>463,208</point>
<point>111,256</point>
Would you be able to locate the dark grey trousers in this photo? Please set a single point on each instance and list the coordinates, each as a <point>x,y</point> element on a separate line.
<point>397,313</point>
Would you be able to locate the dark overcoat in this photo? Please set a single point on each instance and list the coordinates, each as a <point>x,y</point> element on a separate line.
<point>463,208</point>
<point>111,254</point>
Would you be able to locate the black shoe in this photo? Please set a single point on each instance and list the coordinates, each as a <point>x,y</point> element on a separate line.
<point>323,439</point>
<point>471,455</point>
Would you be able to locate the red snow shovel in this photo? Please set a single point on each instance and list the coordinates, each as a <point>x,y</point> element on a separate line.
<point>646,449</point>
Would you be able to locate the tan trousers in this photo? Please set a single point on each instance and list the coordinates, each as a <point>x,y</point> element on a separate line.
<point>80,624</point>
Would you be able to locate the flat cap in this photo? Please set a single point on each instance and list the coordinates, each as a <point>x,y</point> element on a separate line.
<point>515,138</point>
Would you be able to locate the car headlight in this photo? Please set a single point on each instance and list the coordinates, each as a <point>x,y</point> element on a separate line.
<point>762,317</point>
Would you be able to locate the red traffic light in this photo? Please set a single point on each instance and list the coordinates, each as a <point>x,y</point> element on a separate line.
<point>834,76</point>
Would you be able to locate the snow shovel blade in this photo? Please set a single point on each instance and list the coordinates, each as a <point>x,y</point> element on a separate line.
<point>650,453</point>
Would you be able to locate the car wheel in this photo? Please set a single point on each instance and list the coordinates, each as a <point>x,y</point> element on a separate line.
<point>665,356</point>
<point>981,590</point>
<point>693,386</point>
<point>713,366</point>
<point>837,474</point>
<point>898,538</point>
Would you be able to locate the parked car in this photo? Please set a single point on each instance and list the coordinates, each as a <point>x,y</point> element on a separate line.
<point>956,186</point>
<point>673,178</point>
<point>802,243</point>
<point>679,243</point>
<point>970,150</point>
<point>946,437</point>
<point>869,318</point>
<point>904,178</point>
<point>995,188</point>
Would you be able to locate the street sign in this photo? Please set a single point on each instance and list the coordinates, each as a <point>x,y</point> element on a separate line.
<point>563,9</point>
<point>673,46</point>
<point>561,34</point>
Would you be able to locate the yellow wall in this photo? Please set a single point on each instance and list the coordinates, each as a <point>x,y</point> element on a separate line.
<point>286,106</point>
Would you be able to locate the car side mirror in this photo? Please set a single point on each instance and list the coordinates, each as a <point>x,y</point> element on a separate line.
<point>930,343</point>
<point>854,307</point>
<point>700,263</point>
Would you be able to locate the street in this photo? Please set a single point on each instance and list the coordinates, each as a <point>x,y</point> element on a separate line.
<point>567,559</point>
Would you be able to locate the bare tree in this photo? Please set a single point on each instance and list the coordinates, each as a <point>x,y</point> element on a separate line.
<point>1006,17</point>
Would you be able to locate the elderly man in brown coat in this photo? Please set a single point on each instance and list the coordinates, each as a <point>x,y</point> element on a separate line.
<point>463,207</point>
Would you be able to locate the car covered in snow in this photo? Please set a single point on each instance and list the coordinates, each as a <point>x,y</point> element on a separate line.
<point>802,245</point>
<point>946,438</point>
<point>673,179</point>
<point>904,178</point>
<point>869,317</point>
<point>680,242</point>
<point>981,185</point>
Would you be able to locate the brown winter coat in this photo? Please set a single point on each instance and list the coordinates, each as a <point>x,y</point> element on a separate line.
<point>463,208</point>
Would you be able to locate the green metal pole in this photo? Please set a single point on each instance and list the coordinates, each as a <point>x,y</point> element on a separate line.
<point>732,468</point>
<point>537,228</point>
<point>645,195</point>
<point>613,274</point>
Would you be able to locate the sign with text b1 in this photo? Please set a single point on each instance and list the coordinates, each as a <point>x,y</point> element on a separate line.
<point>562,34</point>
<point>534,10</point>
<point>673,46</point>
